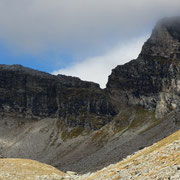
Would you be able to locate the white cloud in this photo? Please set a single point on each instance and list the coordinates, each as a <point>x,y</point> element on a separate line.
<point>97,69</point>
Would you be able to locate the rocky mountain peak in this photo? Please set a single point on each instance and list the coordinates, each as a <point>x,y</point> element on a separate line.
<point>165,39</point>
<point>153,79</point>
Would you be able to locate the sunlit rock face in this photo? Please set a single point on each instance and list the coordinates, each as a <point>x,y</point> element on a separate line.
<point>153,79</point>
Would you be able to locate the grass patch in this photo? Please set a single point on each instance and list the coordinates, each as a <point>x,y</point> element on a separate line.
<point>155,123</point>
<point>141,116</point>
<point>133,118</point>
<point>100,137</point>
<point>23,168</point>
<point>72,133</point>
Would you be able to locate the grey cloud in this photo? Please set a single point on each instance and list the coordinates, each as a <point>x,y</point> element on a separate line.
<point>78,25</point>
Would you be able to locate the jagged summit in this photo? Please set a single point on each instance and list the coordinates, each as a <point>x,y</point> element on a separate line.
<point>165,39</point>
<point>152,80</point>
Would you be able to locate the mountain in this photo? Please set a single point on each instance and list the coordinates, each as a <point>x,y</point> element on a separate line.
<point>75,125</point>
<point>153,79</point>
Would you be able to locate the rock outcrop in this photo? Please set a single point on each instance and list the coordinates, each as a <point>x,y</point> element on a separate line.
<point>165,39</point>
<point>153,79</point>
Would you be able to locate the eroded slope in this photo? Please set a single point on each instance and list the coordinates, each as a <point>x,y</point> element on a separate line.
<point>160,161</point>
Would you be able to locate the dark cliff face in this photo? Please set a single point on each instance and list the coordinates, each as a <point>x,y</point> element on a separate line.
<point>35,94</point>
<point>153,79</point>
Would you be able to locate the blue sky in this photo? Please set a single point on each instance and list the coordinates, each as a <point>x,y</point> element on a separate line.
<point>77,37</point>
<point>47,61</point>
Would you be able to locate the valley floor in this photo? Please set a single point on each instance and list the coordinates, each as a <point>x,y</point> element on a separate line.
<point>160,161</point>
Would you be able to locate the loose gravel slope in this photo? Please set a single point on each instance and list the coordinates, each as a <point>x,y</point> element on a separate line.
<point>160,161</point>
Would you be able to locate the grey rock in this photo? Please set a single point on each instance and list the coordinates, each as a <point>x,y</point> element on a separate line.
<point>153,79</point>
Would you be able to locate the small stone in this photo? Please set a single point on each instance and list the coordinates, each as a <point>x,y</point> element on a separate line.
<point>71,173</point>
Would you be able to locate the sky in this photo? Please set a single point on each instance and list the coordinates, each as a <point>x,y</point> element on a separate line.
<point>84,38</point>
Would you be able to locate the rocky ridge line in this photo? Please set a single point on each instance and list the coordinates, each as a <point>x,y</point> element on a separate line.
<point>35,95</point>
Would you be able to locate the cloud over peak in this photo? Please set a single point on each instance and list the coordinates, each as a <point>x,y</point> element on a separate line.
<point>97,69</point>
